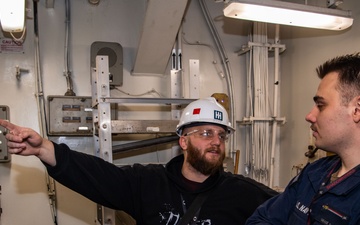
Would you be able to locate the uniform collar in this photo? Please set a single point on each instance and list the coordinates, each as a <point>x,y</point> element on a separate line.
<point>343,185</point>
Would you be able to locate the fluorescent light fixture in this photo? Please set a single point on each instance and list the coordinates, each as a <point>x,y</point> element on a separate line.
<point>286,13</point>
<point>12,15</point>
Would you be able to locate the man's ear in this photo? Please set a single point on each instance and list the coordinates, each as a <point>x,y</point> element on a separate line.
<point>356,115</point>
<point>183,142</point>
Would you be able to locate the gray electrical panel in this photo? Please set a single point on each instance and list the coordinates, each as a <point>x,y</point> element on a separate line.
<point>4,155</point>
<point>70,116</point>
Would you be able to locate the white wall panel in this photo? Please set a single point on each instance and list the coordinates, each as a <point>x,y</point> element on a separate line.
<point>23,196</point>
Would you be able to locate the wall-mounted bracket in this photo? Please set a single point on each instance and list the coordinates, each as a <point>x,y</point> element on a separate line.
<point>4,155</point>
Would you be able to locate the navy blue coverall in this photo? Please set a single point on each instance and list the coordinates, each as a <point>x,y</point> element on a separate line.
<point>310,198</point>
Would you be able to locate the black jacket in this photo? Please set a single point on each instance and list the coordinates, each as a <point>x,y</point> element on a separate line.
<point>154,194</point>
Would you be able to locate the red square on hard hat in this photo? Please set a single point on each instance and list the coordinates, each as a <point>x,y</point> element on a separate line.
<point>196,111</point>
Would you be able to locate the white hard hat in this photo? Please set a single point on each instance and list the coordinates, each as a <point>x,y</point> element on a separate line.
<point>206,110</point>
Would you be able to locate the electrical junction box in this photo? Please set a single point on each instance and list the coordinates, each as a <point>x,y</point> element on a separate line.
<point>70,116</point>
<point>4,155</point>
<point>115,53</point>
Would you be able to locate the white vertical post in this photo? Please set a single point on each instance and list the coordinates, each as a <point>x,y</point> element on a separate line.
<point>194,78</point>
<point>103,143</point>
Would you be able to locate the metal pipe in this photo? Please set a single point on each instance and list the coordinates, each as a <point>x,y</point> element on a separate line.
<point>227,69</point>
<point>144,143</point>
<point>41,111</point>
<point>275,107</point>
<point>67,72</point>
<point>38,75</point>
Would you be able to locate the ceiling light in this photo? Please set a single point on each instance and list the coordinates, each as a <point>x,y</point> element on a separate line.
<point>286,13</point>
<point>12,15</point>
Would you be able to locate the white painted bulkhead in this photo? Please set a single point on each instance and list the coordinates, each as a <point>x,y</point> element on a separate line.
<point>24,198</point>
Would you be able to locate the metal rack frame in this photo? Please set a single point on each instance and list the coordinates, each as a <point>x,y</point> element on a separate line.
<point>104,126</point>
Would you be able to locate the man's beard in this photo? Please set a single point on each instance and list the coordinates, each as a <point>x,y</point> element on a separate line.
<point>200,163</point>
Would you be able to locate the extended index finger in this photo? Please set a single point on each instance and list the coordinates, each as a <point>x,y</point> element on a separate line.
<point>6,124</point>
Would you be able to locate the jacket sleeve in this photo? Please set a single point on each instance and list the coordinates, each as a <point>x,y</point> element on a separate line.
<point>276,211</point>
<point>96,179</point>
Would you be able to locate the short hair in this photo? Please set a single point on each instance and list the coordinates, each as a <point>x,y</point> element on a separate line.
<point>348,69</point>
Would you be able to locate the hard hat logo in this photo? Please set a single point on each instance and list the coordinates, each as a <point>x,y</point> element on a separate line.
<point>218,115</point>
<point>196,111</point>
